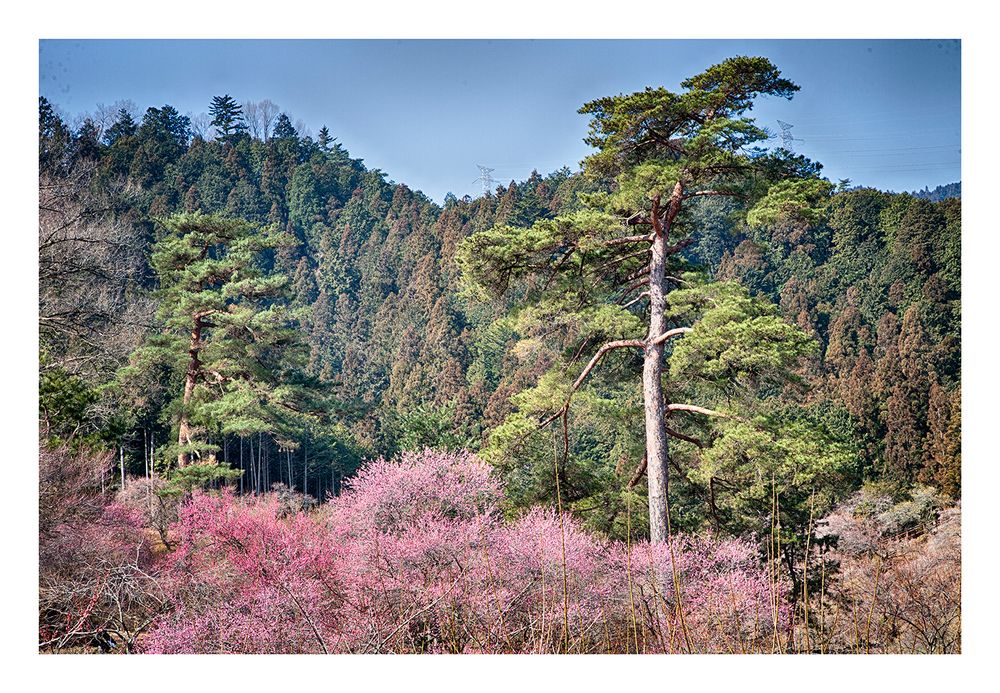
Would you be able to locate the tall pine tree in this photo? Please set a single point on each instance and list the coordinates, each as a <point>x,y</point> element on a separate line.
<point>228,333</point>
<point>603,275</point>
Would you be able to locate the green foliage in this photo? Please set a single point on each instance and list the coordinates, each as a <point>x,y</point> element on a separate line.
<point>124,126</point>
<point>737,340</point>
<point>657,136</point>
<point>782,453</point>
<point>882,302</point>
<point>791,202</point>
<point>572,275</point>
<point>63,401</point>
<point>426,426</point>
<point>283,129</point>
<point>229,332</point>
<point>185,480</point>
<point>74,412</point>
<point>372,302</point>
<point>496,257</point>
<point>227,118</point>
<point>413,360</point>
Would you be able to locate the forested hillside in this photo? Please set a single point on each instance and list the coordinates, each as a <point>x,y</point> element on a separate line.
<point>258,307</point>
<point>410,360</point>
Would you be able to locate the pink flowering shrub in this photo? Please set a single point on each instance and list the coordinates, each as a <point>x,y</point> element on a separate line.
<point>712,595</point>
<point>417,531</point>
<point>244,579</point>
<point>394,496</point>
<point>417,557</point>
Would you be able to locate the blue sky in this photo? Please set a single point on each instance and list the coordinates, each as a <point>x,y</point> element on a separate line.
<point>884,113</point>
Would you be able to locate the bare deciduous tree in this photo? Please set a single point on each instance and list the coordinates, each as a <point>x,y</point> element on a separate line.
<point>302,128</point>
<point>107,115</point>
<point>90,266</point>
<point>201,126</point>
<point>260,117</point>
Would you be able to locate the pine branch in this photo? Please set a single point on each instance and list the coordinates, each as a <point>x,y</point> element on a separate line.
<point>676,332</point>
<point>696,410</point>
<point>681,436</point>
<point>610,346</point>
<point>624,240</point>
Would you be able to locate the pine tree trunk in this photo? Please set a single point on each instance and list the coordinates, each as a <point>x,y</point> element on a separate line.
<point>657,453</point>
<point>654,403</point>
<point>193,371</point>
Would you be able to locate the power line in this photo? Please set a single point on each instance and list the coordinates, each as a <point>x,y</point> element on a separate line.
<point>882,116</point>
<point>909,134</point>
<point>879,151</point>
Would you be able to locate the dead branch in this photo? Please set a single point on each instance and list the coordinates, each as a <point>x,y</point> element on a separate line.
<point>712,193</point>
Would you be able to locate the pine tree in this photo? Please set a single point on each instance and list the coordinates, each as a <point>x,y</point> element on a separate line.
<point>283,129</point>
<point>659,152</point>
<point>86,141</point>
<point>227,329</point>
<point>168,127</point>
<point>53,138</point>
<point>326,141</point>
<point>227,118</point>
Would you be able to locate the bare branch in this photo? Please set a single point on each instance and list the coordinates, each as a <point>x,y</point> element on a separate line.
<point>637,220</point>
<point>644,294</point>
<point>377,647</point>
<point>618,344</point>
<point>629,289</point>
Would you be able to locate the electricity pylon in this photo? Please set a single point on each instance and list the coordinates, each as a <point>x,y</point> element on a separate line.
<point>486,176</point>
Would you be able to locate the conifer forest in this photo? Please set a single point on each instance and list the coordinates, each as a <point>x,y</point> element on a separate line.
<point>689,397</point>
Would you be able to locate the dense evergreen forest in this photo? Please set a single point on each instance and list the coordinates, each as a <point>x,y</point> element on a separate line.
<point>244,306</point>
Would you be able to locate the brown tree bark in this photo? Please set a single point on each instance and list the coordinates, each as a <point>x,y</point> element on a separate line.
<point>191,378</point>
